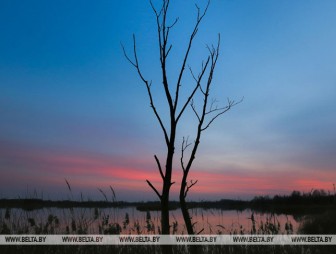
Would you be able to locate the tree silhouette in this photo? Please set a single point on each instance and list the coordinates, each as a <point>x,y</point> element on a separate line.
<point>177,107</point>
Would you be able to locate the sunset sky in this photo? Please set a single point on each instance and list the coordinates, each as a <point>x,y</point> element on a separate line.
<point>73,108</point>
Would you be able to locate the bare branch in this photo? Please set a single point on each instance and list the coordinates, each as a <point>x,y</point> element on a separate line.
<point>198,84</point>
<point>152,186</point>
<point>206,110</point>
<point>216,109</point>
<point>163,32</point>
<point>194,109</point>
<point>166,35</point>
<point>213,101</point>
<point>213,56</point>
<point>201,89</point>
<point>222,111</point>
<point>170,47</point>
<point>185,145</point>
<point>164,26</point>
<point>135,63</point>
<point>192,73</point>
<point>189,187</point>
<point>192,36</point>
<point>155,11</point>
<point>127,57</point>
<point>159,166</point>
<point>157,115</point>
<point>174,23</point>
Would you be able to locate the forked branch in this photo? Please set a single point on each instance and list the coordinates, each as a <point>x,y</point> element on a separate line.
<point>163,34</point>
<point>189,187</point>
<point>199,18</point>
<point>220,111</point>
<point>197,86</point>
<point>206,116</point>
<point>185,145</point>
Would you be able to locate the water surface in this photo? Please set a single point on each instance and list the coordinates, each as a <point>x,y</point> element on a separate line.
<point>131,221</point>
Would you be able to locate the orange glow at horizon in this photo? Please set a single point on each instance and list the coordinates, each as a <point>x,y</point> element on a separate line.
<point>88,171</point>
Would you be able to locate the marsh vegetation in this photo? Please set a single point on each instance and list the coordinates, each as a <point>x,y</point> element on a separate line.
<point>303,213</point>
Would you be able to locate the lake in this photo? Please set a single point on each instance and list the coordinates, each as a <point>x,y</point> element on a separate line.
<point>131,221</point>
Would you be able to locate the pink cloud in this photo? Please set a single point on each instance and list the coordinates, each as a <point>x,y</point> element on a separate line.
<point>35,166</point>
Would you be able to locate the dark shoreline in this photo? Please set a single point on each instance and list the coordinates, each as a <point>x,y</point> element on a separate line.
<point>277,205</point>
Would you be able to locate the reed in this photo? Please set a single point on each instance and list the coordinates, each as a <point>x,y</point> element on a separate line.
<point>110,221</point>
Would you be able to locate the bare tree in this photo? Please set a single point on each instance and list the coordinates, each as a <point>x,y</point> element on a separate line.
<point>177,107</point>
<point>205,117</point>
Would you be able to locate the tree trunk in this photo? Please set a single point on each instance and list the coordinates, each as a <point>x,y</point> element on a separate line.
<point>194,249</point>
<point>184,208</point>
<point>165,215</point>
<point>165,222</point>
<point>167,181</point>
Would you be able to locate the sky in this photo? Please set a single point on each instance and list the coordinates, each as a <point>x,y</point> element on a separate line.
<point>73,109</point>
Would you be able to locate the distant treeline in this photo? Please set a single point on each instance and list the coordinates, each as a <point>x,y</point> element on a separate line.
<point>32,204</point>
<point>288,204</point>
<point>296,203</point>
<point>315,197</point>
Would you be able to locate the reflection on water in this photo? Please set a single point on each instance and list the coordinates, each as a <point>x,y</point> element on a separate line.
<point>131,221</point>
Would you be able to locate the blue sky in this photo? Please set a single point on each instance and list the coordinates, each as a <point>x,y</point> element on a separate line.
<point>66,91</point>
